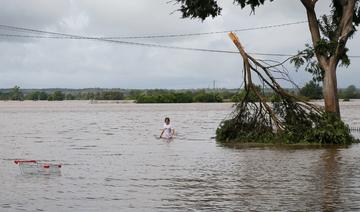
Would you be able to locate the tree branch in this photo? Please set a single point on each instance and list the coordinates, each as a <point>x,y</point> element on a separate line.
<point>345,28</point>
<point>314,29</point>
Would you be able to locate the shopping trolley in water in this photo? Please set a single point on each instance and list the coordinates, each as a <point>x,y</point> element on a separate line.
<point>35,167</point>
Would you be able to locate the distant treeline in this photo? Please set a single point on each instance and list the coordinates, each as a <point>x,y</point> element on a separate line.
<point>58,95</point>
<point>140,96</point>
<point>311,90</point>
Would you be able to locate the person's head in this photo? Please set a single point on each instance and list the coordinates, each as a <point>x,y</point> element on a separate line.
<point>167,120</point>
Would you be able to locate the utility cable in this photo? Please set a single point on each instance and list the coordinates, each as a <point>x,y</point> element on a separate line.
<point>71,36</point>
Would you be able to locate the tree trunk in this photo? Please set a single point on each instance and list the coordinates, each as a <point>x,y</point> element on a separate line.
<point>329,64</point>
<point>330,90</point>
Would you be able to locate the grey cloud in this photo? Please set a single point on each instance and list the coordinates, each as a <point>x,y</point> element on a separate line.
<point>79,63</point>
<point>36,13</point>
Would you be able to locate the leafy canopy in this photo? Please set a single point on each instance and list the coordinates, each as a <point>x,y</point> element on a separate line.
<point>210,8</point>
<point>329,26</point>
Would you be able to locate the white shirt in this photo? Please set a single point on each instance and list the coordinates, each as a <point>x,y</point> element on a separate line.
<point>167,131</point>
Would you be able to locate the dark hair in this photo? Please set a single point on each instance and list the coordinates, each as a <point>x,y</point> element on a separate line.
<point>167,118</point>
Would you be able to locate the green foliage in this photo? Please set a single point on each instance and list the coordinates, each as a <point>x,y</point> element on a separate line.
<point>324,129</point>
<point>199,8</point>
<point>16,94</point>
<point>224,94</point>
<point>312,90</point>
<point>350,92</point>
<point>328,44</point>
<point>156,98</point>
<point>329,129</point>
<point>183,97</point>
<point>307,58</point>
<point>251,95</point>
<point>229,130</point>
<point>4,96</point>
<point>50,98</point>
<point>207,97</point>
<point>326,47</point>
<point>267,94</point>
<point>32,96</point>
<point>238,97</point>
<point>133,94</point>
<point>57,96</point>
<point>210,8</point>
<point>43,95</point>
<point>112,95</point>
<point>87,96</point>
<point>36,95</point>
<point>178,97</point>
<point>69,96</point>
<point>142,96</point>
<point>288,121</point>
<point>146,99</point>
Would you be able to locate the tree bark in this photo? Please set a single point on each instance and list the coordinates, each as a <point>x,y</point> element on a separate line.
<point>329,64</point>
<point>330,90</point>
<point>314,28</point>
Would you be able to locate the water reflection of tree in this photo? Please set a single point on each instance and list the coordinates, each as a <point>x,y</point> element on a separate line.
<point>309,180</point>
<point>329,184</point>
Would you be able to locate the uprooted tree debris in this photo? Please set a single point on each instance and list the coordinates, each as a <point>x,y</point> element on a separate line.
<point>285,119</point>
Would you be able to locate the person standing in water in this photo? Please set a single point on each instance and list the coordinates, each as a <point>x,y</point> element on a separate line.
<point>167,132</point>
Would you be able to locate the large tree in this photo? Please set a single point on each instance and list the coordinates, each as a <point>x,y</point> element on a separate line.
<point>329,34</point>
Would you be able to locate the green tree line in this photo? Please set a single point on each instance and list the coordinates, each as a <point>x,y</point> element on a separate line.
<point>16,94</point>
<point>140,96</point>
<point>179,97</point>
<point>311,90</point>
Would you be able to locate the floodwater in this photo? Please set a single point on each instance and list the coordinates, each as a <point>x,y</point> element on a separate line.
<point>112,161</point>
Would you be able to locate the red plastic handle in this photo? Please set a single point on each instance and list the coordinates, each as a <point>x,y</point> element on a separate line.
<point>25,161</point>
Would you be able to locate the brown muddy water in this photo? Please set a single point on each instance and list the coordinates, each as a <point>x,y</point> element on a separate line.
<point>112,161</point>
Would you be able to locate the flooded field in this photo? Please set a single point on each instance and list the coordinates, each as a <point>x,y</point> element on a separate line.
<point>112,161</point>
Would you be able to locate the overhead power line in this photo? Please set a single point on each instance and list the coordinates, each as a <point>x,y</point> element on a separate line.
<point>144,44</point>
<point>57,35</point>
<point>206,33</point>
<point>12,28</point>
<point>71,36</point>
<point>124,43</point>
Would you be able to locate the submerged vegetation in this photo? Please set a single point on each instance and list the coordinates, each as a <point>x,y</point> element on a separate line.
<point>324,128</point>
<point>287,119</point>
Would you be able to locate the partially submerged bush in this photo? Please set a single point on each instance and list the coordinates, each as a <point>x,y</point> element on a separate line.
<point>324,128</point>
<point>230,130</point>
<point>329,129</point>
<point>286,119</point>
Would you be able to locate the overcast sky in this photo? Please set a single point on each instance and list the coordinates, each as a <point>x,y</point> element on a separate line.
<point>49,63</point>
